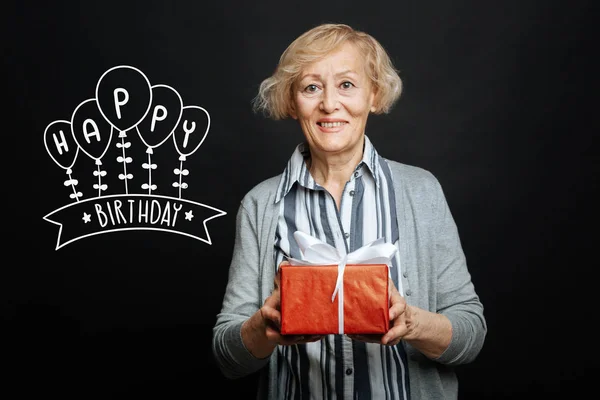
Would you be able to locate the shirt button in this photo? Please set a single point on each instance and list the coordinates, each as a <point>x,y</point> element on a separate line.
<point>405,274</point>
<point>408,292</point>
<point>356,174</point>
<point>348,371</point>
<point>351,193</point>
<point>346,235</point>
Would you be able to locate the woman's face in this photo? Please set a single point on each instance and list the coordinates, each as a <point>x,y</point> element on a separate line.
<point>332,100</point>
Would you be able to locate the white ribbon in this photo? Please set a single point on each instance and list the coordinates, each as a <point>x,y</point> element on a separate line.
<point>315,252</point>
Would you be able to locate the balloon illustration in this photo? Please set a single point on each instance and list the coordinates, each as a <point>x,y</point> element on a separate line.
<point>188,136</point>
<point>60,144</point>
<point>90,130</point>
<point>63,150</point>
<point>93,134</point>
<point>192,130</point>
<point>159,124</point>
<point>124,97</point>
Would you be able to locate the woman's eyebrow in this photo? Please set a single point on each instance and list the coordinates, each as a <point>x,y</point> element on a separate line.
<point>346,72</point>
<point>315,76</point>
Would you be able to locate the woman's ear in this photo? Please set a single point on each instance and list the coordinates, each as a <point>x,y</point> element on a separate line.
<point>374,101</point>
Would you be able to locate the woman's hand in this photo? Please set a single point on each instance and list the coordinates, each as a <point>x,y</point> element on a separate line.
<point>399,315</point>
<point>428,332</point>
<point>271,314</point>
<point>261,332</point>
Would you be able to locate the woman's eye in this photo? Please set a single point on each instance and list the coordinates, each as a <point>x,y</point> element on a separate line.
<point>347,85</point>
<point>311,88</point>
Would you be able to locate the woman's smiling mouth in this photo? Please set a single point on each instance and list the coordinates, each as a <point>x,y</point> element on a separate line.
<point>332,124</point>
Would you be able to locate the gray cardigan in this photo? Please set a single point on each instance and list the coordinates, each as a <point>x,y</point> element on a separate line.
<point>435,278</point>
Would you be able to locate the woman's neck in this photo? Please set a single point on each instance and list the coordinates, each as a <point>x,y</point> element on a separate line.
<point>333,172</point>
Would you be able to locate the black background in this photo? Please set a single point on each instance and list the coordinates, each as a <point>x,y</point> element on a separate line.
<point>500,103</point>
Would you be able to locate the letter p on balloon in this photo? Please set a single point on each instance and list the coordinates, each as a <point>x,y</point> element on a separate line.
<point>156,117</point>
<point>120,101</point>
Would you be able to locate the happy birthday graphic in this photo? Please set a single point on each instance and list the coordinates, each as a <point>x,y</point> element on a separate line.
<point>127,111</point>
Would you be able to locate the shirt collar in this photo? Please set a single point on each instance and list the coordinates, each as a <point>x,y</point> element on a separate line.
<point>297,172</point>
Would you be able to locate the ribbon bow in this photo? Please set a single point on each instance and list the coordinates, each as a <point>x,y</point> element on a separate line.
<point>316,252</point>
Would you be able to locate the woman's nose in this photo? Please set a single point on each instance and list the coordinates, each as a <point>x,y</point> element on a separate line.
<point>329,101</point>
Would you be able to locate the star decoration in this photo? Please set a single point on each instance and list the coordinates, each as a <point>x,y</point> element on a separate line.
<point>86,217</point>
<point>189,215</point>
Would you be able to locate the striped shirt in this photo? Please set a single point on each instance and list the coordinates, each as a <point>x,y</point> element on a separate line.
<point>338,367</point>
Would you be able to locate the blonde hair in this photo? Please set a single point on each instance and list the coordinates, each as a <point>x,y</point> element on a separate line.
<point>274,96</point>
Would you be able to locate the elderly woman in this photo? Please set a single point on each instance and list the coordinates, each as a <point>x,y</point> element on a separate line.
<point>337,188</point>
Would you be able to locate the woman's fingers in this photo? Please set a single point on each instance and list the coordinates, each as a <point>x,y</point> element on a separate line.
<point>367,338</point>
<point>394,335</point>
<point>287,340</point>
<point>272,318</point>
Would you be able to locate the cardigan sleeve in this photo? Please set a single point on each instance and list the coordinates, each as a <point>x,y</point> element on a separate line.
<point>455,295</point>
<point>241,300</point>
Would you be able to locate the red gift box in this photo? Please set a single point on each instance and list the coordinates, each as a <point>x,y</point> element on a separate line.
<point>307,309</point>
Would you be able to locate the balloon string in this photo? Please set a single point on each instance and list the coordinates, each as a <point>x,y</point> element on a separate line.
<point>124,163</point>
<point>73,186</point>
<point>99,181</point>
<point>149,173</point>
<point>180,176</point>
